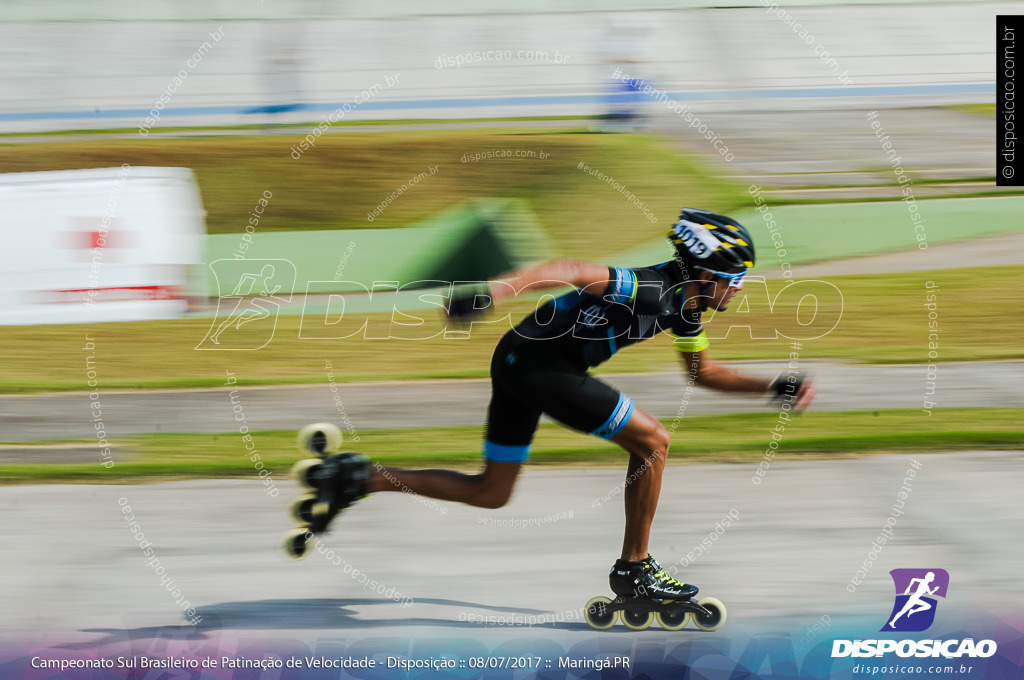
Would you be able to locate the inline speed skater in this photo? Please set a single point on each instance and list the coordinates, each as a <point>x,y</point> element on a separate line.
<point>542,367</point>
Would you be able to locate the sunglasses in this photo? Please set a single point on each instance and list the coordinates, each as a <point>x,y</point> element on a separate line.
<point>735,280</point>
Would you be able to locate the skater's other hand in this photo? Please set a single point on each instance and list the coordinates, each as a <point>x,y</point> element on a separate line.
<point>804,395</point>
<point>794,387</point>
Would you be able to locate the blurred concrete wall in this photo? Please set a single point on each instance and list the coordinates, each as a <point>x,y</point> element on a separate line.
<point>79,74</point>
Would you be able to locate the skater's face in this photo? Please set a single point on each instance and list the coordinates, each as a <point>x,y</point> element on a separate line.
<point>722,291</point>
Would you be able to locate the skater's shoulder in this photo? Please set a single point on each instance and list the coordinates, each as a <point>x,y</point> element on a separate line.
<point>666,271</point>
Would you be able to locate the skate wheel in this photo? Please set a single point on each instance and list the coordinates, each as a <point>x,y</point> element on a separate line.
<point>718,614</point>
<point>320,509</point>
<point>598,615</point>
<point>302,508</point>
<point>302,472</point>
<point>320,439</point>
<point>296,543</point>
<point>637,621</point>
<point>673,621</point>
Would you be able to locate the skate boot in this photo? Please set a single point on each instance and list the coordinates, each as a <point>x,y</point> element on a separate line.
<point>333,483</point>
<point>337,482</point>
<point>647,580</point>
<point>644,591</point>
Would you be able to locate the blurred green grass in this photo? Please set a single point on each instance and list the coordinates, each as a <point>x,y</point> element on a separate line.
<point>263,127</point>
<point>883,320</point>
<point>988,110</point>
<point>336,184</point>
<point>735,438</point>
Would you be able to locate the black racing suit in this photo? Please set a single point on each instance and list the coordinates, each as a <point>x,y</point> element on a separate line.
<point>541,365</point>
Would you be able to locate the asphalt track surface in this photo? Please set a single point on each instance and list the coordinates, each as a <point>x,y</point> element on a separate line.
<point>841,387</point>
<point>74,571</point>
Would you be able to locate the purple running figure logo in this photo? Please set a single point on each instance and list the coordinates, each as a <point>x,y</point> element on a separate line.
<point>914,609</point>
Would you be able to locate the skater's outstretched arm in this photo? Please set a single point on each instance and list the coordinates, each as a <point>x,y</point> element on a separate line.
<point>709,373</point>
<point>554,274</point>
<point>466,304</point>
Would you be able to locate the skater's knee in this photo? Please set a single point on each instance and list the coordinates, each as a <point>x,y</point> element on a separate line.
<point>653,444</point>
<point>494,499</point>
<point>493,487</point>
<point>661,440</point>
<point>491,495</point>
<point>645,438</point>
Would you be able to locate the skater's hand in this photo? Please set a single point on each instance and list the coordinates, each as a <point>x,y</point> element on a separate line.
<point>805,394</point>
<point>793,387</point>
<point>468,303</point>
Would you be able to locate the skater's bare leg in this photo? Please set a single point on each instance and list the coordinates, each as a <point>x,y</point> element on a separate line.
<point>489,489</point>
<point>647,442</point>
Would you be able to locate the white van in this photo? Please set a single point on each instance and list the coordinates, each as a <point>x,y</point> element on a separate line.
<point>111,244</point>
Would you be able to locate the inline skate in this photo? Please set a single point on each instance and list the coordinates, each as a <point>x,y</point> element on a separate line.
<point>644,591</point>
<point>333,483</point>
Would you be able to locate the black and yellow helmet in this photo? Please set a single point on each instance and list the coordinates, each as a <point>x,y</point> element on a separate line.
<point>715,243</point>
